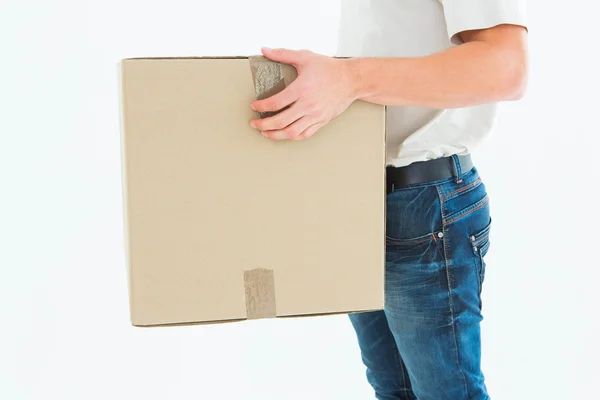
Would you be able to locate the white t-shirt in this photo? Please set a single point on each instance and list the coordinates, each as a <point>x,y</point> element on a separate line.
<point>411,28</point>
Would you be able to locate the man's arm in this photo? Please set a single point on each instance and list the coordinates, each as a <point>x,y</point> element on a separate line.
<point>490,66</point>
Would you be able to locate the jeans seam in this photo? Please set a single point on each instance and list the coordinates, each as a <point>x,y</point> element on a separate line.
<point>480,279</point>
<point>450,297</point>
<point>396,242</point>
<point>437,246</point>
<point>462,214</point>
<point>479,269</point>
<point>406,389</point>
<point>465,188</point>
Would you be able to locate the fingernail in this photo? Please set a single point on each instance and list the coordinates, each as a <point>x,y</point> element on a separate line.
<point>267,48</point>
<point>252,124</point>
<point>252,107</point>
<point>264,134</point>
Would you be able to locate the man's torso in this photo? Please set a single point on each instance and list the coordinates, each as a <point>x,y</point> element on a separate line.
<point>412,28</point>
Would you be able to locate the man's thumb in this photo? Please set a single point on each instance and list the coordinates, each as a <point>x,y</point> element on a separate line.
<point>285,56</point>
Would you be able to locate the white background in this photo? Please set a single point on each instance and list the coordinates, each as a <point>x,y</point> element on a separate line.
<point>65,331</point>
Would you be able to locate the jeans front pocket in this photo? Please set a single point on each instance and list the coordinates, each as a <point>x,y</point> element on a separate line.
<point>480,243</point>
<point>415,278</point>
<point>419,250</point>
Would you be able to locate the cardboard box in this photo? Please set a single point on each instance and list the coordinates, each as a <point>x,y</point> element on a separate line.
<point>222,224</point>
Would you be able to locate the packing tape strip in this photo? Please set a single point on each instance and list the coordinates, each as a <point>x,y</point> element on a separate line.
<point>269,79</point>
<point>259,285</point>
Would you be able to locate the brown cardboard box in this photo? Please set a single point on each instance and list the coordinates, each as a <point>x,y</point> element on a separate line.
<point>222,224</point>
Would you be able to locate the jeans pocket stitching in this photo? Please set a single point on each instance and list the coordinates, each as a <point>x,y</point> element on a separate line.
<point>480,243</point>
<point>467,211</point>
<point>435,239</point>
<point>408,242</point>
<point>481,239</point>
<point>471,186</point>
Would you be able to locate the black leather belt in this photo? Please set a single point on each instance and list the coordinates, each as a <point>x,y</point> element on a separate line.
<point>426,171</point>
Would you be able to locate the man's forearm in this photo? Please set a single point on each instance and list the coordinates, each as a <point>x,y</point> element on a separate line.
<point>490,66</point>
<point>470,74</point>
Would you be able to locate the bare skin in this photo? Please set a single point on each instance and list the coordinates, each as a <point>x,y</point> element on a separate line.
<point>491,65</point>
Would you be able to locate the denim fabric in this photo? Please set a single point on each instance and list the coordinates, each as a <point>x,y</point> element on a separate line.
<point>426,345</point>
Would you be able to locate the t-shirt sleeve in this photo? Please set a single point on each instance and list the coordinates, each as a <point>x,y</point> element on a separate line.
<point>464,15</point>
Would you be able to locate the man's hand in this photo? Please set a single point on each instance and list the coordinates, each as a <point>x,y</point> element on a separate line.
<point>321,92</point>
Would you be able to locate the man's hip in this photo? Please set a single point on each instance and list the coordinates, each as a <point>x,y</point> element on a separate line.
<point>436,237</point>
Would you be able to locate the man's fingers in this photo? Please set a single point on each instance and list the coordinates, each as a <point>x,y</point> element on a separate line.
<point>291,131</point>
<point>277,102</point>
<point>308,132</point>
<point>277,121</point>
<point>275,135</point>
<point>292,57</point>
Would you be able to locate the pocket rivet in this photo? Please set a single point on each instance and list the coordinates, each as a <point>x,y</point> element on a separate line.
<point>472,238</point>
<point>475,249</point>
<point>441,235</point>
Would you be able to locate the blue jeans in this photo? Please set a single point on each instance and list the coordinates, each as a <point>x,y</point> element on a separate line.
<point>426,343</point>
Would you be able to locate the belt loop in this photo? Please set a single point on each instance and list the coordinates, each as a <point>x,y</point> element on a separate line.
<point>457,168</point>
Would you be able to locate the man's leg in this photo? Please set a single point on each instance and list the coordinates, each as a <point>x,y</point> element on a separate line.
<point>435,322</point>
<point>436,239</point>
<point>385,370</point>
<point>433,286</point>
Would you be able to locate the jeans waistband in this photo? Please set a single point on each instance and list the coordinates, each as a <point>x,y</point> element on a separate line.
<point>428,171</point>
